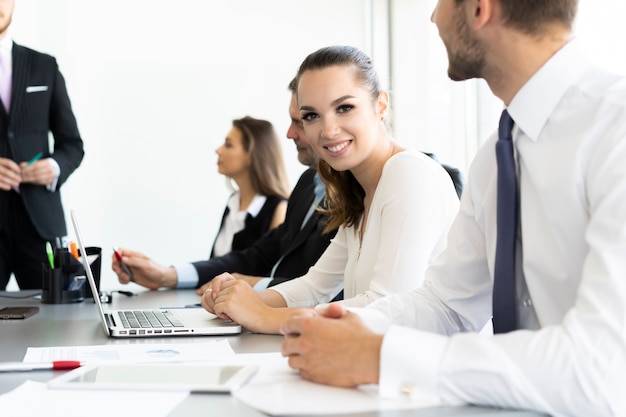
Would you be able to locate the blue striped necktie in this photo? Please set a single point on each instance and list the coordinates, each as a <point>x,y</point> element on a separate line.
<point>504,294</point>
<point>319,195</point>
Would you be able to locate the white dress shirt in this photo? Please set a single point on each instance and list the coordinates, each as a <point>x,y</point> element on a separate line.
<point>570,139</point>
<point>6,71</point>
<point>409,218</point>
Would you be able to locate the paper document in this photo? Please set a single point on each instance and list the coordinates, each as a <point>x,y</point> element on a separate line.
<point>140,352</point>
<point>278,390</point>
<point>81,403</point>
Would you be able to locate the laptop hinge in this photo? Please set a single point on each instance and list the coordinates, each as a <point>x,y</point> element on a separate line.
<point>110,320</point>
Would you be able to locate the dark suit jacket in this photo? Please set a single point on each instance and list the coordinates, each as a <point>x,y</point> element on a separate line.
<point>39,105</point>
<point>299,249</point>
<point>254,228</point>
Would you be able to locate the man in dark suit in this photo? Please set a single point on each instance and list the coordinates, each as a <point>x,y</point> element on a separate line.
<point>281,254</point>
<point>34,103</point>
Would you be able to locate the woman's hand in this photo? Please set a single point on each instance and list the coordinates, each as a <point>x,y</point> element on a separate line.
<point>235,299</point>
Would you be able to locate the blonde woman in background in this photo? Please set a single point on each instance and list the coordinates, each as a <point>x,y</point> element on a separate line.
<point>251,157</point>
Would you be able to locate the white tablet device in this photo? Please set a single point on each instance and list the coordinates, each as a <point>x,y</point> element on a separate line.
<point>193,377</point>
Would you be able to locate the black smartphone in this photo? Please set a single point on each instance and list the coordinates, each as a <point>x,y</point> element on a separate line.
<point>9,313</point>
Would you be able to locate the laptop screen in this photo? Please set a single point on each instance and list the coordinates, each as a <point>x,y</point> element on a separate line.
<point>90,278</point>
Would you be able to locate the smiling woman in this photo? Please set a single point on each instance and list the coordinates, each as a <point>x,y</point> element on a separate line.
<point>393,206</point>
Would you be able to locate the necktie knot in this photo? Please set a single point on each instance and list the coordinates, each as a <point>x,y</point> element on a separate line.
<point>506,126</point>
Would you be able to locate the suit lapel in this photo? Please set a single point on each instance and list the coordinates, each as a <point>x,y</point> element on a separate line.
<point>3,112</point>
<point>309,228</point>
<point>299,210</point>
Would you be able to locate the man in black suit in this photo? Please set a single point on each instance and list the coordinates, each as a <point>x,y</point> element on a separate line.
<point>34,103</point>
<point>281,254</point>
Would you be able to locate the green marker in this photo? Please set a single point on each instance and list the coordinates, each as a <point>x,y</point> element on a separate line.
<point>50,254</point>
<point>34,159</point>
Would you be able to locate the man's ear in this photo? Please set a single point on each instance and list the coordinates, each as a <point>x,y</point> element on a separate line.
<point>481,12</point>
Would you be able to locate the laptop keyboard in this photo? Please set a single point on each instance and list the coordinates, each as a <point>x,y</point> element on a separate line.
<point>147,319</point>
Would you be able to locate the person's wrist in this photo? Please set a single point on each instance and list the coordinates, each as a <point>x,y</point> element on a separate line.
<point>252,280</point>
<point>171,277</point>
<point>373,344</point>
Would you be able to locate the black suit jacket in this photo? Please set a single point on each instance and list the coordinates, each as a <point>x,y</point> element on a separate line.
<point>299,249</point>
<point>39,105</point>
<point>254,227</point>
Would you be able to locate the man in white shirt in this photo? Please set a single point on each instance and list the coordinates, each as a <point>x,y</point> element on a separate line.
<point>567,353</point>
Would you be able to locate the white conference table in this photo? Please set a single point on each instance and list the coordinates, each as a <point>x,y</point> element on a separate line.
<point>78,325</point>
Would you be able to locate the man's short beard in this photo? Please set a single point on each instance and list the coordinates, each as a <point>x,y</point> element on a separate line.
<point>467,60</point>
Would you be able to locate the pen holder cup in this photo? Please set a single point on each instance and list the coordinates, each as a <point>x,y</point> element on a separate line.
<point>55,286</point>
<point>67,283</point>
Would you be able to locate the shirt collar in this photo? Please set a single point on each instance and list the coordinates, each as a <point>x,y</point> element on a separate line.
<point>256,205</point>
<point>535,101</point>
<point>253,209</point>
<point>6,47</point>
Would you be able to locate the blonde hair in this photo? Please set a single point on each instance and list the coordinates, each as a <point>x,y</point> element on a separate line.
<point>267,169</point>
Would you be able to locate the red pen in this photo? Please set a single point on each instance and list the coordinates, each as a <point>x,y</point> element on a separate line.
<point>125,267</point>
<point>36,366</point>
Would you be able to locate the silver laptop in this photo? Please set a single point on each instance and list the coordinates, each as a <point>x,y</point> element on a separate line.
<point>155,322</point>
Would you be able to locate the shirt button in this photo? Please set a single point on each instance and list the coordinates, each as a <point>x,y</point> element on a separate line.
<point>528,302</point>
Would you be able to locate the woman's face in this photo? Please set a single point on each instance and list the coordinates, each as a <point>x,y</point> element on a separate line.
<point>341,119</point>
<point>232,159</point>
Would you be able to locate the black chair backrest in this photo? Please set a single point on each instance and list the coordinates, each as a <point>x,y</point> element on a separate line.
<point>458,180</point>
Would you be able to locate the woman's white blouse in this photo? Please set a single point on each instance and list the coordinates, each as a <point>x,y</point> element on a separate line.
<point>411,212</point>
